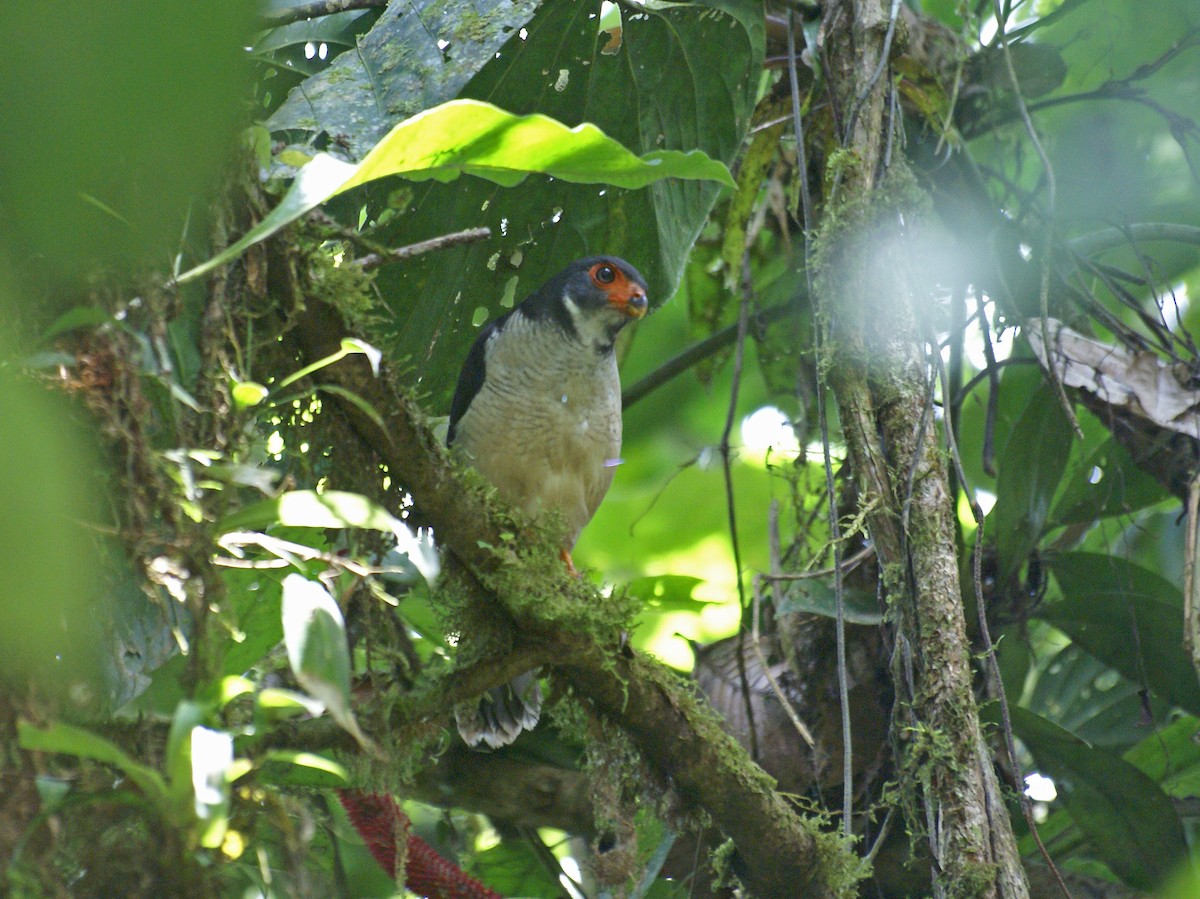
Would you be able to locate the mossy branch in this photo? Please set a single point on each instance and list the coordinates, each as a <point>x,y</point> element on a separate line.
<point>779,853</point>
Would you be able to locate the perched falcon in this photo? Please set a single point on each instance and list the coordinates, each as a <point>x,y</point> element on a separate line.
<point>537,411</point>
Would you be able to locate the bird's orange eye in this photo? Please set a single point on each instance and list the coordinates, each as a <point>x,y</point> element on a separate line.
<point>604,274</point>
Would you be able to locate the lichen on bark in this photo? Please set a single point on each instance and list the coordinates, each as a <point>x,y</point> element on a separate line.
<point>870,299</point>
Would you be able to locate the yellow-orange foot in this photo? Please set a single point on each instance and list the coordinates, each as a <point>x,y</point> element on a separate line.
<point>565,555</point>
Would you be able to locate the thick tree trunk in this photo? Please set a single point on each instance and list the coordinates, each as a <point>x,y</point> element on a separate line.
<point>880,377</point>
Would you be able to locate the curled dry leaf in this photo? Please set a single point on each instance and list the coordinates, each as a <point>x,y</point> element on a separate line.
<point>1140,382</point>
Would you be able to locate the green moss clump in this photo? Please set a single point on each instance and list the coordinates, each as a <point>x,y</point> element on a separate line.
<point>842,869</point>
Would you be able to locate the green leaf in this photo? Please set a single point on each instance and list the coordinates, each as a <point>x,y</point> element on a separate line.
<point>817,597</point>
<point>1131,824</point>
<point>314,184</point>
<point>513,869</point>
<point>69,740</point>
<point>348,347</point>
<point>420,54</point>
<point>335,509</point>
<point>467,137</point>
<point>1127,617</point>
<point>276,703</point>
<point>1031,466</point>
<point>474,138</point>
<point>187,717</point>
<point>355,400</point>
<point>287,767</point>
<point>1106,483</point>
<point>1087,697</point>
<point>310,509</point>
<point>79,317</point>
<point>1171,757</point>
<point>315,636</point>
<point>668,592</point>
<point>231,687</point>
<point>212,765</point>
<point>248,393</point>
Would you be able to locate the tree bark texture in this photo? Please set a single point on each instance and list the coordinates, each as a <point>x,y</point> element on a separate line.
<point>882,383</point>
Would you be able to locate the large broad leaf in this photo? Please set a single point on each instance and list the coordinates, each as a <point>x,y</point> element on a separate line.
<point>660,91</point>
<point>473,138</point>
<point>1091,700</point>
<point>1131,824</point>
<point>818,597</point>
<point>1127,617</point>
<point>512,867</point>
<point>1172,757</point>
<point>297,46</point>
<point>1031,466</point>
<point>1105,483</point>
<point>420,53</point>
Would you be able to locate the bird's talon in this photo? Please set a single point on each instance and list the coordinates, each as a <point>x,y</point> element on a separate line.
<point>565,555</point>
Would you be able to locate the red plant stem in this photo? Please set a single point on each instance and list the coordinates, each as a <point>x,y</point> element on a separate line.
<point>382,823</point>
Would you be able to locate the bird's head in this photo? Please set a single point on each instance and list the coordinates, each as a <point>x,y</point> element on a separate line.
<point>608,284</point>
<point>594,298</point>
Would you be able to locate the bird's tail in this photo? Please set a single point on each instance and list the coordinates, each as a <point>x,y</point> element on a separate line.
<point>501,713</point>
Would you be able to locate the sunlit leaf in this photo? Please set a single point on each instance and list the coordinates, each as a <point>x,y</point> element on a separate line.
<point>212,761</point>
<point>286,703</point>
<point>473,138</point>
<point>70,740</point>
<point>315,636</point>
<point>248,393</point>
<point>668,592</point>
<point>188,715</point>
<point>310,509</point>
<point>467,137</point>
<point>660,91</point>
<point>294,768</point>
<point>349,346</point>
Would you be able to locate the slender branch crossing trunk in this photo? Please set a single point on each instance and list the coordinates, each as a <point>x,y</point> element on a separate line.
<point>876,362</point>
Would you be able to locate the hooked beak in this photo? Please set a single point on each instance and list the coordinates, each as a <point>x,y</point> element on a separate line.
<point>634,305</point>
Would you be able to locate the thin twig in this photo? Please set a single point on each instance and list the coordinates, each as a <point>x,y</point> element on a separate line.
<point>993,670</point>
<point>730,416</point>
<point>445,241</point>
<point>847,565</point>
<point>697,353</point>
<point>793,715</point>
<point>876,74</point>
<point>1191,585</point>
<point>835,536</point>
